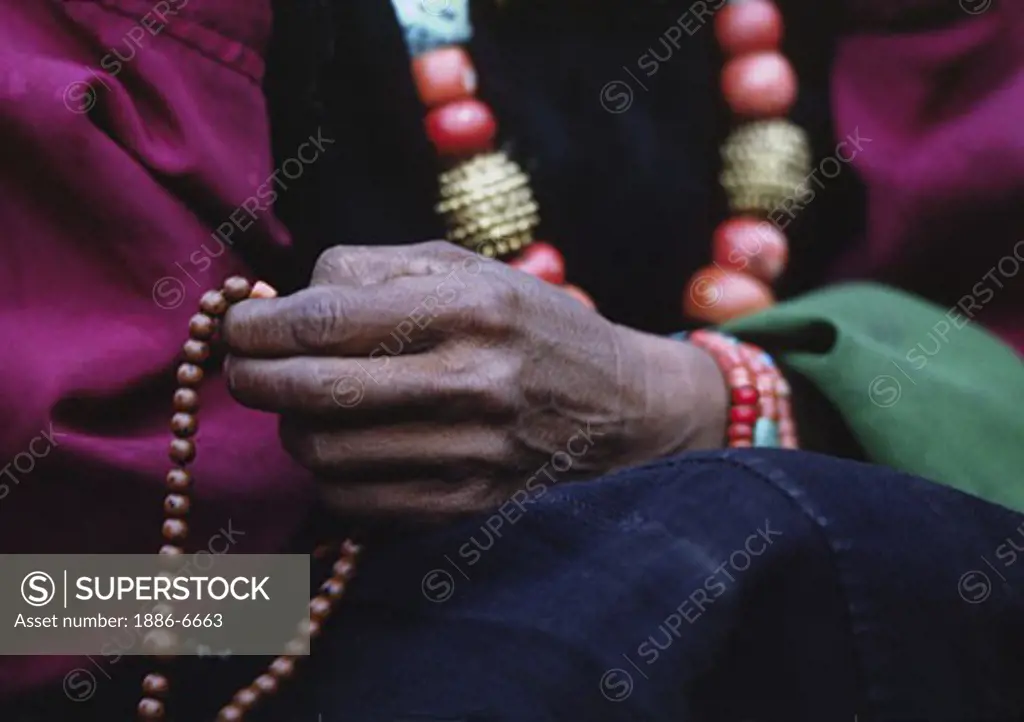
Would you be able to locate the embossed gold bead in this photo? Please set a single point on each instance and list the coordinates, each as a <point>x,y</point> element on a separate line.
<point>488,205</point>
<point>763,164</point>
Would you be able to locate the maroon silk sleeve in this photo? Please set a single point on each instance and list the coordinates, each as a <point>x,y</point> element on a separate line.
<point>133,139</point>
<point>944,168</point>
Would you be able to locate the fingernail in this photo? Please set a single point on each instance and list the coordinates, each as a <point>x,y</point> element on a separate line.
<point>263,290</point>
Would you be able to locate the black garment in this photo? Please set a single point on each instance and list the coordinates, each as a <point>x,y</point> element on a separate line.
<point>716,587</point>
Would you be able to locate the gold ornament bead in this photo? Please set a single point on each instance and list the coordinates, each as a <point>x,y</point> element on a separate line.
<point>488,205</point>
<point>763,164</point>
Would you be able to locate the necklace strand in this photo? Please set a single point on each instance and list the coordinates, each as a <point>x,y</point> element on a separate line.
<point>486,200</point>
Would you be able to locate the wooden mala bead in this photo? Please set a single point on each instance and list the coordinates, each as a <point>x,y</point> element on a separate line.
<point>177,504</point>
<point>155,685</point>
<point>186,400</point>
<point>151,709</point>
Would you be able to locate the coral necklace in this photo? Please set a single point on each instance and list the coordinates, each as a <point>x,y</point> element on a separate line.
<point>488,206</point>
<point>486,199</point>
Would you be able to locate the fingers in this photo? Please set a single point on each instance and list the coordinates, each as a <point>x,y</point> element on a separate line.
<point>332,387</point>
<point>417,499</point>
<point>340,320</point>
<point>368,265</point>
<point>414,312</point>
<point>413,450</point>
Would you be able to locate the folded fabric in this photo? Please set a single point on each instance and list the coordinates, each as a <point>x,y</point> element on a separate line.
<point>745,585</point>
<point>921,388</point>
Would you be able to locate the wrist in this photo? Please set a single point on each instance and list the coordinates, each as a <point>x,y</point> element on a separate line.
<point>686,398</point>
<point>712,397</point>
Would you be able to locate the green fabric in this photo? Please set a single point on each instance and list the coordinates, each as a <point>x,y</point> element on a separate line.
<point>922,388</point>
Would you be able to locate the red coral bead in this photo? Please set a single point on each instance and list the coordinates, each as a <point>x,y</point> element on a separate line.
<point>543,261</point>
<point>751,245</point>
<point>715,295</point>
<point>743,414</point>
<point>740,431</point>
<point>444,75</point>
<point>461,128</point>
<point>748,27</point>
<point>760,85</point>
<point>745,396</point>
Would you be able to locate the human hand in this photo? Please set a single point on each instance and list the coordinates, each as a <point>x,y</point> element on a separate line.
<point>424,380</point>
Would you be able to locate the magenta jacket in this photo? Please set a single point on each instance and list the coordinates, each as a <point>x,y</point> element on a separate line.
<point>107,219</point>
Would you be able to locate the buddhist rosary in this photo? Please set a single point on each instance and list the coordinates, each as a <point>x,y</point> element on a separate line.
<point>202,330</point>
<point>489,207</point>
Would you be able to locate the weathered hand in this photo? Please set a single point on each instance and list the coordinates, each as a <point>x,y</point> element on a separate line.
<point>424,380</point>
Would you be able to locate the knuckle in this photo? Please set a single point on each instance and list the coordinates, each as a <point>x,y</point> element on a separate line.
<point>481,497</point>
<point>335,265</point>
<point>504,380</point>
<point>442,249</point>
<point>235,375</point>
<point>320,323</point>
<point>493,391</point>
<point>327,263</point>
<point>244,381</point>
<point>436,258</point>
<point>317,456</point>
<point>242,328</point>
<point>449,257</point>
<point>305,447</point>
<point>496,303</point>
<point>504,453</point>
<point>492,449</point>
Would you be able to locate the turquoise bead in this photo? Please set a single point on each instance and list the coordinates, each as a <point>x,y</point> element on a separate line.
<point>766,433</point>
<point>430,24</point>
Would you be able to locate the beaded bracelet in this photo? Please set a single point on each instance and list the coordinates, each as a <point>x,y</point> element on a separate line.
<point>760,411</point>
